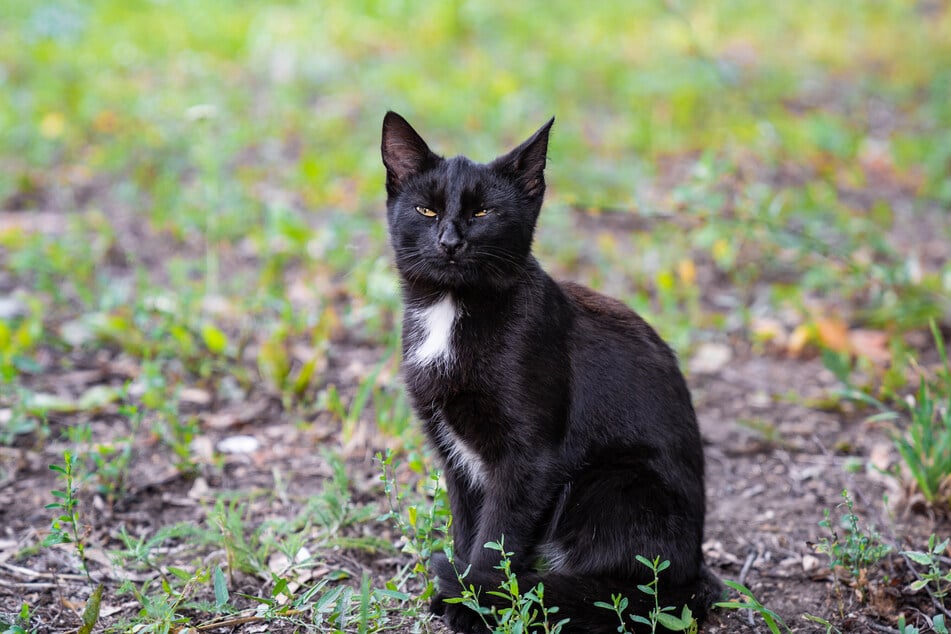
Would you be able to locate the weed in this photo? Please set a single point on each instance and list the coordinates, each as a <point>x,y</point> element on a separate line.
<point>925,446</point>
<point>830,628</point>
<point>662,616</point>
<point>423,533</point>
<point>67,527</point>
<point>936,625</point>
<point>936,580</point>
<point>18,623</point>
<point>858,551</point>
<point>773,621</point>
<point>526,610</point>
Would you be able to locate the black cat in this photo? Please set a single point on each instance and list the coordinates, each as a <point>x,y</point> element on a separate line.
<point>562,420</point>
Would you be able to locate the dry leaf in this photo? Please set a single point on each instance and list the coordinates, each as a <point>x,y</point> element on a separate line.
<point>871,344</point>
<point>834,334</point>
<point>798,340</point>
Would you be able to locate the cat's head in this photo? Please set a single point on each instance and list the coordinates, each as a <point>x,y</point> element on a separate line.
<point>456,223</point>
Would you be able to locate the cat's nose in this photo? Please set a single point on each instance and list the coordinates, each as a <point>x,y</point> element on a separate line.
<point>450,241</point>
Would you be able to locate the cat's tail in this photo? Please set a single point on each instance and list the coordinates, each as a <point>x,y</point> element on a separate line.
<point>575,596</point>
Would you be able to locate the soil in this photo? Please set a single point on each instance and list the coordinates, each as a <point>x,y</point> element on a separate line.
<point>775,461</point>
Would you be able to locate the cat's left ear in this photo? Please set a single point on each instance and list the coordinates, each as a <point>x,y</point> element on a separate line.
<point>527,162</point>
<point>405,154</point>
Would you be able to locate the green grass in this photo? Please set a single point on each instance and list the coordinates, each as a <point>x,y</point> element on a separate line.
<point>193,193</point>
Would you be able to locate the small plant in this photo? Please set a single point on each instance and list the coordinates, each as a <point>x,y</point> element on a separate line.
<point>16,623</point>
<point>773,621</point>
<point>423,532</point>
<point>925,447</point>
<point>67,528</point>
<point>855,553</point>
<point>658,615</point>
<point>938,626</point>
<point>936,577</point>
<point>925,444</point>
<point>525,612</point>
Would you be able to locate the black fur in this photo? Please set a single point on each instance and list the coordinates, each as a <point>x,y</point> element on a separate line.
<point>561,417</point>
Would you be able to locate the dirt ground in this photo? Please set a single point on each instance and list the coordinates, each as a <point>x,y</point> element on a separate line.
<point>775,461</point>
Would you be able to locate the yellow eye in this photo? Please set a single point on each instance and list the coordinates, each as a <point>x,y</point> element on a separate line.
<point>429,213</point>
<point>480,213</point>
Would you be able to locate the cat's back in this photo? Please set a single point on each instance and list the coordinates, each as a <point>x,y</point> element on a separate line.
<point>603,319</point>
<point>624,375</point>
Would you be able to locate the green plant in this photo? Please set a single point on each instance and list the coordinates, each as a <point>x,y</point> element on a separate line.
<point>925,446</point>
<point>67,528</point>
<point>830,628</point>
<point>773,621</point>
<point>662,616</point>
<point>525,610</point>
<point>422,525</point>
<point>936,580</point>
<point>857,551</point>
<point>937,625</point>
<point>16,623</point>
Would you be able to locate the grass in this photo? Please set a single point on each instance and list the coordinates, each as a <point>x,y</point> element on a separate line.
<point>191,206</point>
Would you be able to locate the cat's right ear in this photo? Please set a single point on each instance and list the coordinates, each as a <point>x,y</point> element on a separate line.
<point>527,162</point>
<point>404,152</point>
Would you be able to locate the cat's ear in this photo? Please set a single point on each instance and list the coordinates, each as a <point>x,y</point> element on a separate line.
<point>526,163</point>
<point>404,152</point>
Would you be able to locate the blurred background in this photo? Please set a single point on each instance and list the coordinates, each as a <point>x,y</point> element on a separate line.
<point>193,245</point>
<point>764,134</point>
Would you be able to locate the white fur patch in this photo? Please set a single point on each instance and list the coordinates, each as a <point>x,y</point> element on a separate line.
<point>435,323</point>
<point>462,456</point>
<point>556,558</point>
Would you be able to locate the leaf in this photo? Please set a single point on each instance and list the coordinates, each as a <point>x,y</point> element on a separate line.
<point>919,558</point>
<point>221,588</point>
<point>834,334</point>
<point>918,585</point>
<point>91,613</point>
<point>182,574</point>
<point>40,403</point>
<point>215,340</point>
<point>97,397</point>
<point>671,622</point>
<point>871,344</point>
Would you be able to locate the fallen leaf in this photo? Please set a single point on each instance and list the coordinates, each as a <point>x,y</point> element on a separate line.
<point>98,396</point>
<point>871,344</point>
<point>798,340</point>
<point>195,396</point>
<point>834,334</point>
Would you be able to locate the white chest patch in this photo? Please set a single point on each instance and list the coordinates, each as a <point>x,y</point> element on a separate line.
<point>462,456</point>
<point>435,324</point>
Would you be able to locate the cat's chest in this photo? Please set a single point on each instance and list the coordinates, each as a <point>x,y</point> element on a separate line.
<point>429,334</point>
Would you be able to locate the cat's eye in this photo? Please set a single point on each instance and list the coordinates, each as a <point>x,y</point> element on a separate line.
<point>426,211</point>
<point>480,213</point>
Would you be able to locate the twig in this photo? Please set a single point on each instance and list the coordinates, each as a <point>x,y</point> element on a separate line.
<point>238,620</point>
<point>32,574</point>
<point>750,558</point>
<point>28,586</point>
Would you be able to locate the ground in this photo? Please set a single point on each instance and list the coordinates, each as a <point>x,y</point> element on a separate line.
<point>199,318</point>
<point>775,460</point>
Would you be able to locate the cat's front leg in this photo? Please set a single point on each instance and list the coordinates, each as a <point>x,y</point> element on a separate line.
<point>465,502</point>
<point>514,504</point>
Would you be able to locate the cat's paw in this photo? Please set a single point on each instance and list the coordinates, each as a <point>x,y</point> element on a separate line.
<point>445,570</point>
<point>459,618</point>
